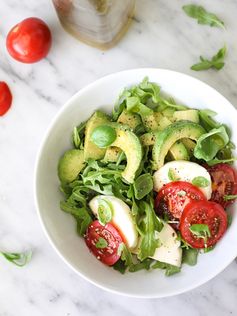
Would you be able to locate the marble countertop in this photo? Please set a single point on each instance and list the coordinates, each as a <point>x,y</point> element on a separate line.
<point>160,36</point>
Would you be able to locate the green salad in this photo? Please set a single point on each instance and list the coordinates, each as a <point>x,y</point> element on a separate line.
<point>149,184</point>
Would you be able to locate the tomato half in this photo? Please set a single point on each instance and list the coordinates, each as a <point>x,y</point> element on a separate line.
<point>29,41</point>
<point>203,212</point>
<point>224,182</point>
<point>109,253</point>
<point>174,196</point>
<point>5,98</point>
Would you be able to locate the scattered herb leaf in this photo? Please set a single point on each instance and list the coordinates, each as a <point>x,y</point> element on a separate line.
<point>17,258</point>
<point>216,62</point>
<point>101,243</point>
<point>200,182</point>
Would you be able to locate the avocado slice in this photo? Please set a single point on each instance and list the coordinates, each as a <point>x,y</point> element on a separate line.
<point>189,144</point>
<point>148,139</point>
<point>112,154</point>
<point>130,144</point>
<point>178,152</point>
<point>187,115</point>
<point>130,119</point>
<point>91,151</point>
<point>166,138</point>
<point>70,165</point>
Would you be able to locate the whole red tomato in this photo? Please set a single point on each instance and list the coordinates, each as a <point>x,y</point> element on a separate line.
<point>5,98</point>
<point>29,41</point>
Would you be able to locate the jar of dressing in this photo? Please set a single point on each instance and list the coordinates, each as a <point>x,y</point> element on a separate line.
<point>99,23</point>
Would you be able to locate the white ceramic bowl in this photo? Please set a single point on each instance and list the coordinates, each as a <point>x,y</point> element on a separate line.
<point>60,227</point>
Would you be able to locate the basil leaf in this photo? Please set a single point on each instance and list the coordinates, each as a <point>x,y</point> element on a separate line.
<point>200,231</point>
<point>230,197</point>
<point>101,243</point>
<point>210,143</point>
<point>170,269</point>
<point>190,256</point>
<point>200,182</point>
<point>217,61</point>
<point>202,16</point>
<point>19,259</point>
<point>103,136</point>
<point>143,185</point>
<point>105,212</point>
<point>171,175</point>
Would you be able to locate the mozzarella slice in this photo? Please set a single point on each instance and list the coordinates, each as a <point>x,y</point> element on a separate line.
<point>183,171</point>
<point>122,218</point>
<point>169,251</point>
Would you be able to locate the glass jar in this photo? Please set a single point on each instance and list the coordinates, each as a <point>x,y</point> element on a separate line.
<point>99,23</point>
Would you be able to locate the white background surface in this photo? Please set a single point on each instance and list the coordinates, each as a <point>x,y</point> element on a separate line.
<point>161,36</point>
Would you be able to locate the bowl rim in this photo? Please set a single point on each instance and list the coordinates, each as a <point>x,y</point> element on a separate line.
<point>36,202</point>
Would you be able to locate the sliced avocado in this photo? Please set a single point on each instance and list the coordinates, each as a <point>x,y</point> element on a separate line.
<point>130,144</point>
<point>187,115</point>
<point>151,121</point>
<point>70,165</point>
<point>168,112</point>
<point>189,144</point>
<point>163,123</point>
<point>178,152</point>
<point>148,139</point>
<point>171,134</point>
<point>90,149</point>
<point>130,119</point>
<point>112,154</point>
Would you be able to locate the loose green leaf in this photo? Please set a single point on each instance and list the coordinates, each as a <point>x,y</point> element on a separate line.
<point>230,197</point>
<point>208,249</point>
<point>120,266</point>
<point>79,135</point>
<point>200,231</point>
<point>125,254</point>
<point>19,259</point>
<point>172,176</point>
<point>103,136</point>
<point>147,228</point>
<point>143,185</point>
<point>202,16</point>
<point>206,119</point>
<point>101,243</point>
<point>169,269</point>
<point>105,211</point>
<point>210,143</point>
<point>200,182</point>
<point>229,219</point>
<point>190,256</point>
<point>217,61</point>
<point>216,161</point>
<point>145,264</point>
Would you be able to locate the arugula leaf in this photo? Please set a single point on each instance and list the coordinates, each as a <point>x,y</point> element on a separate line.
<point>17,258</point>
<point>171,175</point>
<point>230,197</point>
<point>147,228</point>
<point>206,118</point>
<point>105,211</point>
<point>210,143</point>
<point>126,255</point>
<point>216,62</point>
<point>203,17</point>
<point>208,249</point>
<point>200,182</point>
<point>216,161</point>
<point>145,264</point>
<point>190,256</point>
<point>79,135</point>
<point>101,243</point>
<point>169,269</point>
<point>120,266</point>
<point>143,185</point>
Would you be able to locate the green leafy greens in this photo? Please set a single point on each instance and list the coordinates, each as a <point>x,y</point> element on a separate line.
<point>217,61</point>
<point>202,16</point>
<point>17,258</point>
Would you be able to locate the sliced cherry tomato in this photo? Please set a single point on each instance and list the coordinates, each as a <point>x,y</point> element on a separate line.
<point>107,250</point>
<point>224,182</point>
<point>203,212</point>
<point>5,98</point>
<point>29,41</point>
<point>174,196</point>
